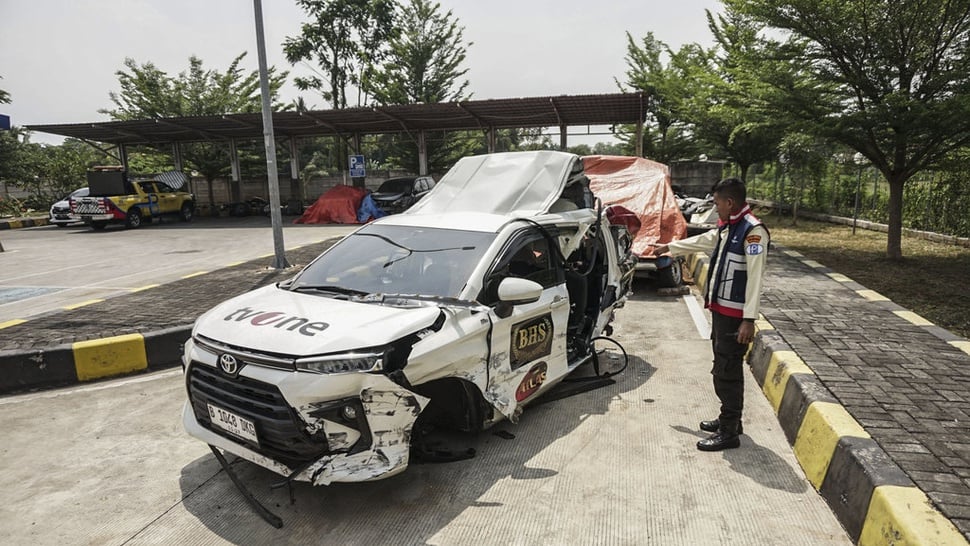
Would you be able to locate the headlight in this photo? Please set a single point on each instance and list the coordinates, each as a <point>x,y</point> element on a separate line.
<point>342,363</point>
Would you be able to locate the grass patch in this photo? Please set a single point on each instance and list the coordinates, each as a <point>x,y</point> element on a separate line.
<point>932,280</point>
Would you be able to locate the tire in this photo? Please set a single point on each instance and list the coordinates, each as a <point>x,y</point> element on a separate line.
<point>61,225</point>
<point>186,212</point>
<point>670,277</point>
<point>98,225</point>
<point>133,219</point>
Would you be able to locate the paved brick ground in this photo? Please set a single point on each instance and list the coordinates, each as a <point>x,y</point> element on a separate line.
<point>904,383</point>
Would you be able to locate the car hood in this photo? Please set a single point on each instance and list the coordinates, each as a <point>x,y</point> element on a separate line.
<point>279,321</point>
<point>518,184</point>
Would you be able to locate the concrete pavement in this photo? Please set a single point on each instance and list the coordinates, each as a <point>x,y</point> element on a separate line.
<point>873,398</point>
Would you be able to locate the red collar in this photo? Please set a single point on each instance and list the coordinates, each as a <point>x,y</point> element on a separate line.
<point>735,218</point>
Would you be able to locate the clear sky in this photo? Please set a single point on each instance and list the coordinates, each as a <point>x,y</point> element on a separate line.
<point>58,58</point>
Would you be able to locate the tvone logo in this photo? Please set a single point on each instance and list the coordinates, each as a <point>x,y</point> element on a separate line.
<point>276,319</point>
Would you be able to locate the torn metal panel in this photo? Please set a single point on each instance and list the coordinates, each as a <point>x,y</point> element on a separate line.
<point>391,413</point>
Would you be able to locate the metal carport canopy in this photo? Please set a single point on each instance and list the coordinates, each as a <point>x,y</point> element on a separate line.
<point>559,111</point>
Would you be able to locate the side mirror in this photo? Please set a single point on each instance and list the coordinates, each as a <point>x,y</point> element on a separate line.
<point>513,291</point>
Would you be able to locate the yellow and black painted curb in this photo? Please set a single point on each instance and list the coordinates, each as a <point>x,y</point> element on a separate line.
<point>89,360</point>
<point>17,223</point>
<point>873,499</point>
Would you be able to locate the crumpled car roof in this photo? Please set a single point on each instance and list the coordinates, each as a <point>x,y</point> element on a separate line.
<point>518,184</point>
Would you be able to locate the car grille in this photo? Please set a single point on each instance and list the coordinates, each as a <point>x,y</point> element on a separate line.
<point>280,431</point>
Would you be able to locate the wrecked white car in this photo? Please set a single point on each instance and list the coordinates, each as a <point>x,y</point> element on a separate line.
<point>454,314</point>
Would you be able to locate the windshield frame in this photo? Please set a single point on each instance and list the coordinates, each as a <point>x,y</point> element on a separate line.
<point>399,260</point>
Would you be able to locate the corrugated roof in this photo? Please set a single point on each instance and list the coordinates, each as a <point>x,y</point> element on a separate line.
<point>569,110</point>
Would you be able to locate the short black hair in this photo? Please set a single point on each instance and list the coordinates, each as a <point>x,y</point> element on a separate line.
<point>732,188</point>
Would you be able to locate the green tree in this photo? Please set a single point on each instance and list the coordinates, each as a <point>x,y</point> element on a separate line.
<point>425,65</point>
<point>347,39</point>
<point>665,134</point>
<point>148,92</point>
<point>65,167</point>
<point>18,157</point>
<point>4,96</point>
<point>719,107</point>
<point>889,79</point>
<point>425,60</point>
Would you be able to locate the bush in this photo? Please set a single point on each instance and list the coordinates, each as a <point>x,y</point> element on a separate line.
<point>11,206</point>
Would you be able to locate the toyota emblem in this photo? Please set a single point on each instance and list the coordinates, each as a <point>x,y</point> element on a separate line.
<point>228,364</point>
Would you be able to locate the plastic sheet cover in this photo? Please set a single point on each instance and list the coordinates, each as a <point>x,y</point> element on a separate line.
<point>338,205</point>
<point>643,186</point>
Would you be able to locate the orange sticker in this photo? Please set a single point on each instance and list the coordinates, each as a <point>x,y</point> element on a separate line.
<point>753,239</point>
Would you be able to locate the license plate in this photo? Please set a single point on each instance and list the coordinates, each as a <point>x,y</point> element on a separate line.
<point>232,423</point>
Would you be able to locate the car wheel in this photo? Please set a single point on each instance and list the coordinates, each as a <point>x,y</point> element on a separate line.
<point>98,226</point>
<point>133,220</point>
<point>670,277</point>
<point>61,225</point>
<point>186,212</point>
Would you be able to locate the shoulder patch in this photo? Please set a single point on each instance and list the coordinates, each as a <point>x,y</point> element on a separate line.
<point>751,239</point>
<point>754,249</point>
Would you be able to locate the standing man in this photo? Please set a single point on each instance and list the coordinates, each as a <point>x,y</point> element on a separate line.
<point>738,249</point>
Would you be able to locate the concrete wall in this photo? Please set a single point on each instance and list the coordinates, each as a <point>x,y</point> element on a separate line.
<point>696,177</point>
<point>257,187</point>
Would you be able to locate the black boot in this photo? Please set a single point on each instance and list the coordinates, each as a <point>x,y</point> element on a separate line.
<point>711,426</point>
<point>719,441</point>
<point>715,424</point>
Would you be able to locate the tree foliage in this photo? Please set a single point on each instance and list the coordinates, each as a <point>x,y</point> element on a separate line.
<point>4,96</point>
<point>425,58</point>
<point>425,65</point>
<point>889,79</point>
<point>17,156</point>
<point>721,109</point>
<point>666,136</point>
<point>348,39</point>
<point>148,92</point>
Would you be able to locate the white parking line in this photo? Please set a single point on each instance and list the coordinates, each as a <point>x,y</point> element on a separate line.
<point>697,314</point>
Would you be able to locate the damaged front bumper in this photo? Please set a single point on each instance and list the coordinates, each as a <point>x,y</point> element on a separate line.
<point>315,428</point>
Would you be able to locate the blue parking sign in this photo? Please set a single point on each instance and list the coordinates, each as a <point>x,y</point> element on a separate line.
<point>357,169</point>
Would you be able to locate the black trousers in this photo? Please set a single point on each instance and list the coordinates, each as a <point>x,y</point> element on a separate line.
<point>728,370</point>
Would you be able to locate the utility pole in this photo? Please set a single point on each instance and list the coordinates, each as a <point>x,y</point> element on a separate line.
<point>859,160</point>
<point>270,141</point>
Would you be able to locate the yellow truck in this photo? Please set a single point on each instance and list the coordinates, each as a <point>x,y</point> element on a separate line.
<point>114,198</point>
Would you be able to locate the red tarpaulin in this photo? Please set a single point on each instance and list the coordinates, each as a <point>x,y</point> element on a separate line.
<point>338,205</point>
<point>643,186</point>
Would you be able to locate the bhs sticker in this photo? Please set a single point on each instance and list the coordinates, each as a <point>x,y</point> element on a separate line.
<point>531,382</point>
<point>531,339</point>
<point>754,249</point>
